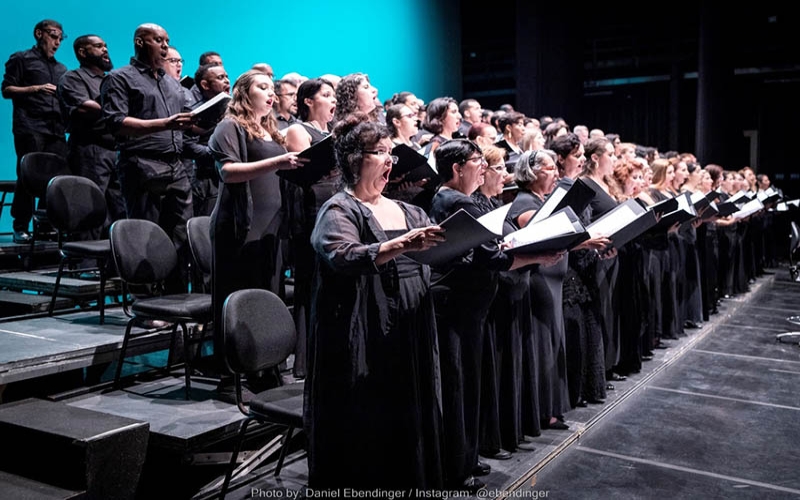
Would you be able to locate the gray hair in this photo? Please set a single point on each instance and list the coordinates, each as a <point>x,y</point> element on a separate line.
<point>529,164</point>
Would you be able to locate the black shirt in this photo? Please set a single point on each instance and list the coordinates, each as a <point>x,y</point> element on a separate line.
<point>133,91</point>
<point>75,88</point>
<point>284,123</point>
<point>39,111</point>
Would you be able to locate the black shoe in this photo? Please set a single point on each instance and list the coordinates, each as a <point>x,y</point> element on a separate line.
<point>647,357</point>
<point>497,455</point>
<point>692,325</point>
<point>481,469</point>
<point>22,237</point>
<point>663,345</point>
<point>593,401</point>
<point>582,403</point>
<point>473,484</point>
<point>557,425</point>
<point>610,387</point>
<point>615,377</point>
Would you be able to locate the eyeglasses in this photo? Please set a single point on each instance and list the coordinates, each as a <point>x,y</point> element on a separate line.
<point>500,169</point>
<point>174,60</point>
<point>412,115</point>
<point>54,34</point>
<point>394,158</point>
<point>480,159</point>
<point>287,94</point>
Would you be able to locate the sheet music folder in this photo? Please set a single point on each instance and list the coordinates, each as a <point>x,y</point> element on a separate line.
<point>665,206</point>
<point>623,224</point>
<point>727,208</point>
<point>413,165</point>
<point>463,232</point>
<point>321,160</point>
<point>212,110</point>
<point>577,197</point>
<point>684,213</point>
<point>561,231</point>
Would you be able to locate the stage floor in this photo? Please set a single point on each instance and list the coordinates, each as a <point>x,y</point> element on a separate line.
<point>713,416</point>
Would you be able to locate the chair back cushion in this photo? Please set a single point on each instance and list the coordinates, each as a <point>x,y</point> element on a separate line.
<point>258,330</point>
<point>37,168</point>
<point>199,232</point>
<point>142,251</point>
<point>75,204</point>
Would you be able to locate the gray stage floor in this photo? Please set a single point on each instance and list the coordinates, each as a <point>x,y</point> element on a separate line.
<point>714,416</point>
<point>720,421</point>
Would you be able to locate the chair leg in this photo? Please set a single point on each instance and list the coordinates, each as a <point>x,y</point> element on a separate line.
<point>234,457</point>
<point>55,288</point>
<point>125,339</point>
<point>29,263</point>
<point>171,347</point>
<point>101,299</point>
<point>287,438</point>
<point>186,365</point>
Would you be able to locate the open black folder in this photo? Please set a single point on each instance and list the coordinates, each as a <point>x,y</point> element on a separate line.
<point>412,166</point>
<point>727,208</point>
<point>463,232</point>
<point>622,224</point>
<point>685,212</point>
<point>560,231</point>
<point>664,206</point>
<point>321,160</point>
<point>578,196</point>
<point>211,111</point>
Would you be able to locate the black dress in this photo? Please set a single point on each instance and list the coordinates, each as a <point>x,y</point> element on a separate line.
<point>302,207</point>
<point>490,436</point>
<point>547,317</point>
<point>670,262</point>
<point>245,221</point>
<point>463,292</point>
<point>606,272</point>
<point>372,393</point>
<point>583,332</point>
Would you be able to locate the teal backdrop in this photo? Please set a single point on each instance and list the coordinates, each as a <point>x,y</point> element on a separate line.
<point>410,45</point>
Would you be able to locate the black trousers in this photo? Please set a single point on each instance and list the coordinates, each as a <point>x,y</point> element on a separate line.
<point>30,142</point>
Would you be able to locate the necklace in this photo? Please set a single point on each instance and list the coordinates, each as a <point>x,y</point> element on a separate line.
<point>315,124</point>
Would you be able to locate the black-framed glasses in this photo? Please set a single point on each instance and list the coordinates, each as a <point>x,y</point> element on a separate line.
<point>287,94</point>
<point>54,34</point>
<point>394,158</point>
<point>481,159</point>
<point>174,60</point>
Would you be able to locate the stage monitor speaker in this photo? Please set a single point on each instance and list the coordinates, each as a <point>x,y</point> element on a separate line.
<point>73,448</point>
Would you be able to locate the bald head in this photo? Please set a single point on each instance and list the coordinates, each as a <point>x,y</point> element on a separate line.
<point>151,42</point>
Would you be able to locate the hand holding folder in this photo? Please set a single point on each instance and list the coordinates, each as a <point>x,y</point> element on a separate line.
<point>624,223</point>
<point>561,231</point>
<point>321,160</point>
<point>462,233</point>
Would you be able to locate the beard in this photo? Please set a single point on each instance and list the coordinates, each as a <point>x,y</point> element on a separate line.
<point>99,62</point>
